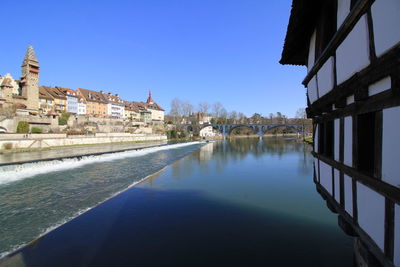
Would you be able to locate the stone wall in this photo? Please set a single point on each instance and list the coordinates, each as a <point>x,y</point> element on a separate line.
<point>21,141</point>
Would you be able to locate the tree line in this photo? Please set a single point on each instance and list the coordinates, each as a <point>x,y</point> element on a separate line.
<point>183,111</point>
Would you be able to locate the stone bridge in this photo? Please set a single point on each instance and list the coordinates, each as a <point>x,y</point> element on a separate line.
<point>260,129</point>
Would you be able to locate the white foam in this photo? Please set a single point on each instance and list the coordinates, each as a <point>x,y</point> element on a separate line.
<point>12,173</point>
<point>80,212</point>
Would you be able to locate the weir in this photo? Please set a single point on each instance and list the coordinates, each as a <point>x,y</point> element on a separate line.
<point>10,172</point>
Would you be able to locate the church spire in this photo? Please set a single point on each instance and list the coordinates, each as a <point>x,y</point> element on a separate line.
<point>150,98</point>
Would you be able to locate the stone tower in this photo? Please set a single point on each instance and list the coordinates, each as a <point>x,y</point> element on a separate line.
<point>30,79</point>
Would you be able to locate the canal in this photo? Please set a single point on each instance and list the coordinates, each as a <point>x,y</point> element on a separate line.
<point>243,202</point>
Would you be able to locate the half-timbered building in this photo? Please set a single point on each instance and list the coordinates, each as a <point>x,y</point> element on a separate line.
<point>351,49</point>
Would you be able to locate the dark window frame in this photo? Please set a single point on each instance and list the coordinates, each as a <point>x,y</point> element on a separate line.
<point>326,138</point>
<point>326,27</point>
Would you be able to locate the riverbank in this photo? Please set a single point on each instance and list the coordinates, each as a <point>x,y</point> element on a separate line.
<point>34,142</point>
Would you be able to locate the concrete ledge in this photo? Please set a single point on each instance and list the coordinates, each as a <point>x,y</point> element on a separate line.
<point>54,141</point>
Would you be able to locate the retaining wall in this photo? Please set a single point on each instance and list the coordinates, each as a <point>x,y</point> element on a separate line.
<point>22,141</point>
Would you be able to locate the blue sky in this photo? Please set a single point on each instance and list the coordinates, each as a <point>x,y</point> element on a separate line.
<point>196,50</point>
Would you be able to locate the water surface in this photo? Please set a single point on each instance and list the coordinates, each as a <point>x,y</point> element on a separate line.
<point>245,202</point>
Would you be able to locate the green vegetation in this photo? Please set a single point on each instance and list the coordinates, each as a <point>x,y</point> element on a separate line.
<point>308,139</point>
<point>23,127</point>
<point>63,118</point>
<point>172,134</point>
<point>36,130</point>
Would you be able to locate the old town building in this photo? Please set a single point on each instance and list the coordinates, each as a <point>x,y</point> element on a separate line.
<point>157,113</point>
<point>351,50</point>
<point>96,105</point>
<point>72,100</point>
<point>46,101</point>
<point>115,105</point>
<point>25,97</point>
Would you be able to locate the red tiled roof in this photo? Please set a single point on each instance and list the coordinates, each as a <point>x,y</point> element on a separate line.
<point>44,94</point>
<point>92,96</point>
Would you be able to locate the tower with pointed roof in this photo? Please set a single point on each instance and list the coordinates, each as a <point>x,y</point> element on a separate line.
<point>30,79</point>
<point>150,98</point>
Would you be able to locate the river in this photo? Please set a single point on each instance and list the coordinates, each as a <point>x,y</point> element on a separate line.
<point>243,202</point>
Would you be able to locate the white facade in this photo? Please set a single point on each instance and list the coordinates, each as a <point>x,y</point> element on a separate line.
<point>343,10</point>
<point>386,21</point>
<point>391,146</point>
<point>371,213</point>
<point>72,104</point>
<point>81,107</point>
<point>156,115</point>
<point>116,110</point>
<point>325,77</point>
<point>354,47</point>
<point>208,131</point>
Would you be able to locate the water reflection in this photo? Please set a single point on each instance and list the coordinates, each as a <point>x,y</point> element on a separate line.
<point>237,149</point>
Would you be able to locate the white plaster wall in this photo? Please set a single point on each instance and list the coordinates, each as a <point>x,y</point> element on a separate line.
<point>352,54</point>
<point>350,100</point>
<point>337,139</point>
<point>311,52</point>
<point>326,176</point>
<point>348,195</point>
<point>336,177</point>
<point>325,77</point>
<point>343,9</point>
<point>312,89</point>
<point>386,21</point>
<point>157,115</point>
<point>316,168</point>
<point>371,213</point>
<point>316,138</point>
<point>397,235</point>
<point>348,141</point>
<point>380,86</point>
<point>391,146</point>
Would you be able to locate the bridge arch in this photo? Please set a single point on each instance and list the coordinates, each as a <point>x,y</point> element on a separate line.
<point>294,128</point>
<point>255,128</point>
<point>3,129</point>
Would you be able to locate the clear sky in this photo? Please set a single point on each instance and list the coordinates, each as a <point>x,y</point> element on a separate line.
<point>196,50</point>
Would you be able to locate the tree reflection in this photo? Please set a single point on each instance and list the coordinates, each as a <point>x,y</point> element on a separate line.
<point>237,149</point>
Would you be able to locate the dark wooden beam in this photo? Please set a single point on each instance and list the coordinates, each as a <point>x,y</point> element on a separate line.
<point>389,229</point>
<point>385,189</point>
<point>348,24</point>
<point>386,65</point>
<point>346,223</point>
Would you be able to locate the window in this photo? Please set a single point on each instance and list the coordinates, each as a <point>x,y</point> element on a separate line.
<point>326,27</point>
<point>366,142</point>
<point>326,139</point>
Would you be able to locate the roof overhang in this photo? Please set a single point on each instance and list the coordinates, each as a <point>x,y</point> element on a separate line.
<point>300,28</point>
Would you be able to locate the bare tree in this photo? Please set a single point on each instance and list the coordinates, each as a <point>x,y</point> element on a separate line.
<point>187,109</point>
<point>176,108</point>
<point>204,107</point>
<point>242,118</point>
<point>301,113</point>
<point>217,108</point>
<point>256,118</point>
<point>232,116</point>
